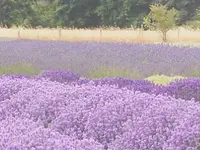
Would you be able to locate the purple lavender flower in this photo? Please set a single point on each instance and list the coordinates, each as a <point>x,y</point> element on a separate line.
<point>60,76</point>
<point>96,115</point>
<point>82,57</point>
<point>185,88</point>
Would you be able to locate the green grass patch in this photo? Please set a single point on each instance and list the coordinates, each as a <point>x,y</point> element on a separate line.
<point>112,72</point>
<point>19,68</point>
<point>196,72</point>
<point>162,79</point>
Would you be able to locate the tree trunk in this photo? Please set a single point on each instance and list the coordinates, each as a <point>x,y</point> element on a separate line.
<point>164,36</point>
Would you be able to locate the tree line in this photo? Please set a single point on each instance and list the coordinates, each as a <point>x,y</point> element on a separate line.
<point>89,13</point>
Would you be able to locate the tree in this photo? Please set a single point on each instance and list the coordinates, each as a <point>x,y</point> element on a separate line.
<point>76,13</point>
<point>16,12</point>
<point>195,22</point>
<point>114,13</point>
<point>88,13</point>
<point>186,8</point>
<point>122,13</point>
<point>44,15</point>
<point>162,19</point>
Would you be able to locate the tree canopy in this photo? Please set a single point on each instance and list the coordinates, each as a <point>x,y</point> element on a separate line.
<point>87,13</point>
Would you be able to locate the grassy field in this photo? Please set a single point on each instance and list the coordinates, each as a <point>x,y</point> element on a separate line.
<point>29,69</point>
<point>110,34</point>
<point>162,79</point>
<point>85,96</point>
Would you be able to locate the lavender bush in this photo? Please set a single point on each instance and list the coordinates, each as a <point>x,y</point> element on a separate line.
<point>188,88</point>
<point>44,114</point>
<point>136,85</point>
<point>184,88</point>
<point>86,57</point>
<point>60,76</point>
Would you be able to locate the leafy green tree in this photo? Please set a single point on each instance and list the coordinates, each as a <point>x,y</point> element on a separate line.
<point>44,15</point>
<point>161,19</point>
<point>16,12</point>
<point>195,22</point>
<point>76,13</point>
<point>86,13</point>
<point>186,8</point>
<point>114,13</point>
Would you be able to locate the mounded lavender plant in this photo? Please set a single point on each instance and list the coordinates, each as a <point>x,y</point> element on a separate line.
<point>184,88</point>
<point>59,76</point>
<point>53,115</point>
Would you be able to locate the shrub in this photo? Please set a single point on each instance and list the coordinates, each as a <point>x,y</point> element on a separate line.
<point>184,88</point>
<point>59,76</point>
<point>46,114</point>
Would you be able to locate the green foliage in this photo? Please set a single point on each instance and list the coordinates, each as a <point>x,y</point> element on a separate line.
<point>162,79</point>
<point>45,16</point>
<point>87,13</point>
<point>19,68</point>
<point>195,22</point>
<point>16,12</point>
<point>114,13</point>
<point>76,13</point>
<point>186,8</point>
<point>162,19</point>
<point>112,72</point>
<point>196,72</point>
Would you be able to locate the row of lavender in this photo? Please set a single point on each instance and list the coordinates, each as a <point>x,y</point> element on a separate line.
<point>83,57</point>
<point>107,114</point>
<point>187,88</point>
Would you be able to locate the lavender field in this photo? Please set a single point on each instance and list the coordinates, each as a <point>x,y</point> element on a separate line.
<point>83,57</point>
<point>57,106</point>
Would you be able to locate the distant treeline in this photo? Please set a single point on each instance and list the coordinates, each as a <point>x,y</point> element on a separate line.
<point>86,13</point>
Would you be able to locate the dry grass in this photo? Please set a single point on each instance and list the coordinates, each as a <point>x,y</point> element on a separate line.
<point>123,35</point>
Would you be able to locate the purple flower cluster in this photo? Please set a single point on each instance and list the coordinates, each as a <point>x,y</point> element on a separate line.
<point>60,76</point>
<point>184,88</point>
<point>9,86</point>
<point>84,57</point>
<point>188,88</point>
<point>39,113</point>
